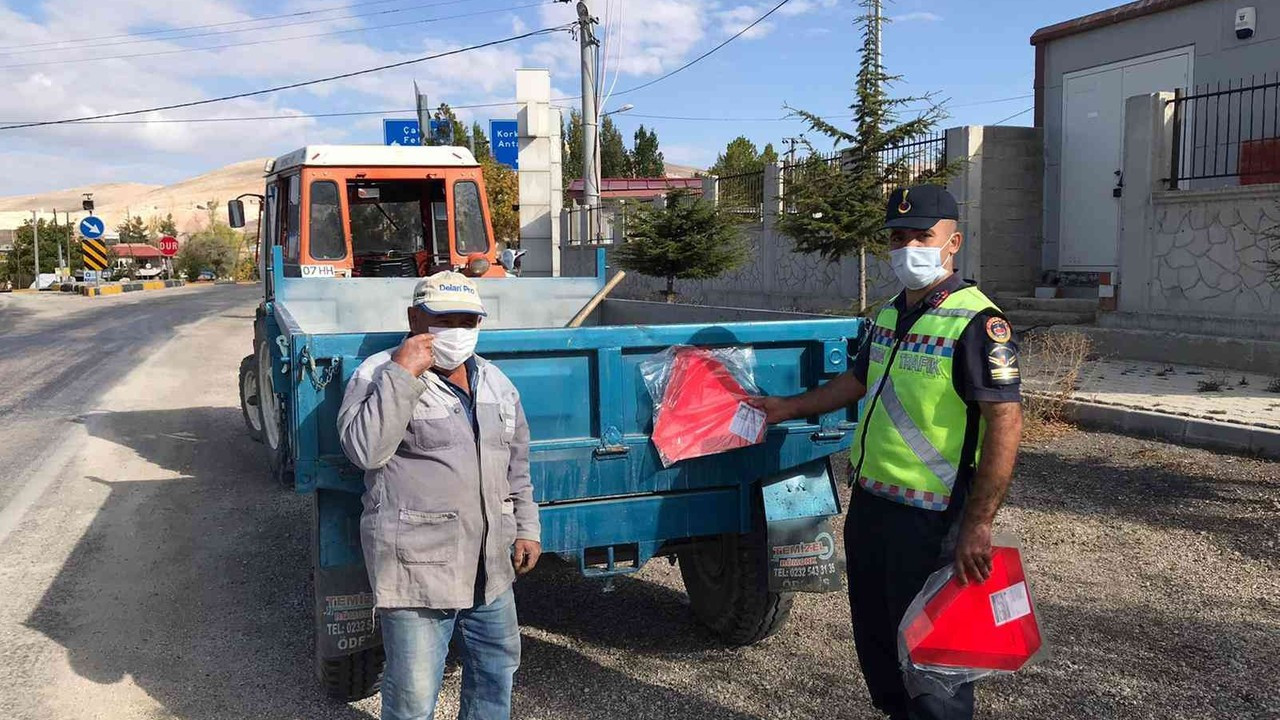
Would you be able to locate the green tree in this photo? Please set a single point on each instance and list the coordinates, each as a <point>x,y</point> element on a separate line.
<point>572,137</point>
<point>217,248</point>
<point>646,158</point>
<point>688,239</point>
<point>769,156</point>
<point>740,157</point>
<point>19,265</point>
<point>502,188</point>
<point>132,230</point>
<point>159,227</point>
<point>615,160</point>
<point>839,211</point>
<point>481,141</point>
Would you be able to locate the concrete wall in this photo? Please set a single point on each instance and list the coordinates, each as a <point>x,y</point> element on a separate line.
<point>540,173</point>
<point>998,188</point>
<point>1190,252</point>
<point>1218,56</point>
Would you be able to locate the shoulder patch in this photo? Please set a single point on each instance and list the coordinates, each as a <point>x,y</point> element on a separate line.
<point>998,330</point>
<point>1002,364</point>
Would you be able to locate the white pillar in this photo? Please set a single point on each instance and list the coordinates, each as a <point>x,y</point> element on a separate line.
<point>964,147</point>
<point>540,173</point>
<point>1148,141</point>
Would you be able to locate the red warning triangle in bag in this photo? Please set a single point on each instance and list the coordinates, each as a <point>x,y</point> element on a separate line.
<point>703,410</point>
<point>986,626</point>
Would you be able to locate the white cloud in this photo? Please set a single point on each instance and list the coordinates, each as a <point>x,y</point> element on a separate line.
<point>735,19</point>
<point>916,17</point>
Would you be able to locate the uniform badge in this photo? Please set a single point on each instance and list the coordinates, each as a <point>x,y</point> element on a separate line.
<point>938,297</point>
<point>904,207</point>
<point>998,330</point>
<point>1002,365</point>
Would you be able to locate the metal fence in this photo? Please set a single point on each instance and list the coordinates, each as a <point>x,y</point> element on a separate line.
<point>907,164</point>
<point>742,194</point>
<point>1227,133</point>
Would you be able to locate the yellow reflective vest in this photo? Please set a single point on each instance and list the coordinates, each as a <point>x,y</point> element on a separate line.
<point>913,426</point>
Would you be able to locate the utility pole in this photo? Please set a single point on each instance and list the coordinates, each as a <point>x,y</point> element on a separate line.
<point>791,149</point>
<point>35,244</point>
<point>58,242</point>
<point>71,275</point>
<point>590,123</point>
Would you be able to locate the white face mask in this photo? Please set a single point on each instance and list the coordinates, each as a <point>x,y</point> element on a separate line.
<point>452,346</point>
<point>918,267</point>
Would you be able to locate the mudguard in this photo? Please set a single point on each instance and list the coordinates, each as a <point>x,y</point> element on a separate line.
<point>803,555</point>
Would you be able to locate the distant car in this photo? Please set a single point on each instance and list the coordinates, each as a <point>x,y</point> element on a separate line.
<point>6,286</point>
<point>206,276</point>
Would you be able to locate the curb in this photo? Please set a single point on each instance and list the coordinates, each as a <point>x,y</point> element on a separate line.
<point>118,289</point>
<point>1177,429</point>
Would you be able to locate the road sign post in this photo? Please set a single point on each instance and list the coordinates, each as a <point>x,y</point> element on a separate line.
<point>504,137</point>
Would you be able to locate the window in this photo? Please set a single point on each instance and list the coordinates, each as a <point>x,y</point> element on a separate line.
<point>386,216</point>
<point>293,218</point>
<point>327,241</point>
<point>470,233</point>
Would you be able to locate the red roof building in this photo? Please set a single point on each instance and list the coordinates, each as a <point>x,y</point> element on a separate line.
<point>141,251</point>
<point>637,188</point>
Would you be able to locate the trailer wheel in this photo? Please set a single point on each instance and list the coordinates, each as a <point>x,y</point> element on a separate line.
<point>728,589</point>
<point>353,677</point>
<point>273,431</point>
<point>249,404</point>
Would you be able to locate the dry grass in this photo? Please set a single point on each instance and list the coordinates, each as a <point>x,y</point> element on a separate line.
<point>1054,361</point>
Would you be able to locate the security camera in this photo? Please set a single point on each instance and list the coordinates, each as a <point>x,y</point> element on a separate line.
<point>1246,20</point>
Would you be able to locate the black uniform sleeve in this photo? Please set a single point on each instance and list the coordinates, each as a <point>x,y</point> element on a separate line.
<point>986,361</point>
<point>862,361</point>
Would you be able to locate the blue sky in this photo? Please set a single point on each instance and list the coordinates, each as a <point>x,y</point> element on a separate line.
<point>969,52</point>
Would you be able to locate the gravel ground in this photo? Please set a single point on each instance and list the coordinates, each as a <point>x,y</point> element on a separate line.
<point>163,576</point>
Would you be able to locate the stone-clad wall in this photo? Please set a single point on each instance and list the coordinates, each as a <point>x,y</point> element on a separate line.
<point>1209,253</point>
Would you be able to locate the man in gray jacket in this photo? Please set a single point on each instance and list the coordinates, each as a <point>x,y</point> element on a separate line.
<point>449,517</point>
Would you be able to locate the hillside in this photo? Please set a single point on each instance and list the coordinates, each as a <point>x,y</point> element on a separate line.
<point>186,199</point>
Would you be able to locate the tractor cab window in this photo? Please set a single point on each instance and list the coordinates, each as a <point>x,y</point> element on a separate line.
<point>391,226</point>
<point>468,218</point>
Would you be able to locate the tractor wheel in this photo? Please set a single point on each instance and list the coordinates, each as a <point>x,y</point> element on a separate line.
<point>274,435</point>
<point>728,588</point>
<point>249,404</point>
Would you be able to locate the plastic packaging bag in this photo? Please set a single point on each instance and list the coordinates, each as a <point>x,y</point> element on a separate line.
<point>699,401</point>
<point>953,634</point>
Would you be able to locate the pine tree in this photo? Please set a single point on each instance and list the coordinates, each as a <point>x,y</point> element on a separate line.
<point>646,158</point>
<point>572,136</point>
<point>132,230</point>
<point>615,160</point>
<point>768,156</point>
<point>690,239</point>
<point>482,142</point>
<point>838,210</point>
<point>740,157</point>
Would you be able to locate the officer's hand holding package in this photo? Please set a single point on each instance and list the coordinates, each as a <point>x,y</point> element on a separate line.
<point>936,441</point>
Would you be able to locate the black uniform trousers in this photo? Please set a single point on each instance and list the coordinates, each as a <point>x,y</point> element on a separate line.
<point>892,549</point>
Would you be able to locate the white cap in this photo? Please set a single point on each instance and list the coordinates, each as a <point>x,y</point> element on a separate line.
<point>448,292</point>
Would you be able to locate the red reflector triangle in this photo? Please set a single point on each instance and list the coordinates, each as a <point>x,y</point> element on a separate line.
<point>696,417</point>
<point>987,626</point>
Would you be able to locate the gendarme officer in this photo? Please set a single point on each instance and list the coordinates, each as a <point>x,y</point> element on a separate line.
<point>936,441</point>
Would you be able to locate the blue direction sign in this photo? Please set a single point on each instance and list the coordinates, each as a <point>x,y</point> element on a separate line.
<point>405,132</point>
<point>504,137</point>
<point>400,132</point>
<point>92,227</point>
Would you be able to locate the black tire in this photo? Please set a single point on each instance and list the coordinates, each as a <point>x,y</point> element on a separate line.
<point>250,408</point>
<point>728,588</point>
<point>353,677</point>
<point>275,436</point>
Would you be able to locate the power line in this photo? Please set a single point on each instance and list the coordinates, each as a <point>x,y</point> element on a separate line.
<point>228,23</point>
<point>294,116</point>
<point>292,86</point>
<point>183,51</point>
<point>706,54</point>
<point>134,41</point>
<point>1023,112</point>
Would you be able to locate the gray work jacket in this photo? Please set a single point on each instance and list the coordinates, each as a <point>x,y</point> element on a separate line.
<point>431,490</point>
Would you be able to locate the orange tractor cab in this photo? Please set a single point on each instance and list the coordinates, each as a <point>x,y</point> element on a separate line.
<point>375,211</point>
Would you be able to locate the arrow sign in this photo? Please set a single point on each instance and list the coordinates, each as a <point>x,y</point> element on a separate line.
<point>92,227</point>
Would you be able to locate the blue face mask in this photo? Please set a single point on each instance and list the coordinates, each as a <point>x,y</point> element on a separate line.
<point>919,267</point>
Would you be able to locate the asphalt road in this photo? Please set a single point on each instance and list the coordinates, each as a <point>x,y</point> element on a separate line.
<point>150,569</point>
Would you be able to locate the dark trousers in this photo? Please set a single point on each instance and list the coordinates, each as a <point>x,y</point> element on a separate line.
<point>892,549</point>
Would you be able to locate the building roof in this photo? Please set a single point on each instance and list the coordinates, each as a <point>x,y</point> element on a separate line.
<point>638,187</point>
<point>1103,18</point>
<point>136,250</point>
<point>373,156</point>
